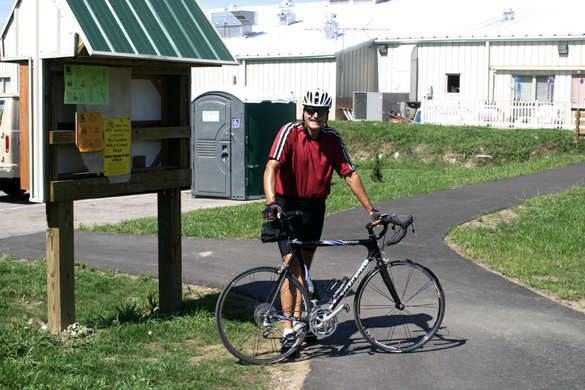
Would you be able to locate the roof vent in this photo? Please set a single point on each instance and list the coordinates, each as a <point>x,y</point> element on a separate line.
<point>287,16</point>
<point>233,23</point>
<point>508,14</point>
<point>331,26</point>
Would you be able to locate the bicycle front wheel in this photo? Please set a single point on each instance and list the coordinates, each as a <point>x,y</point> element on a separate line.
<point>250,315</point>
<point>404,326</point>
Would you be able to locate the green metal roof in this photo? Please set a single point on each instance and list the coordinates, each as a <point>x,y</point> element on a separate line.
<point>172,29</point>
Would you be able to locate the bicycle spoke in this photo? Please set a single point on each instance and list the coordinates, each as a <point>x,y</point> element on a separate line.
<point>249,315</point>
<point>399,328</point>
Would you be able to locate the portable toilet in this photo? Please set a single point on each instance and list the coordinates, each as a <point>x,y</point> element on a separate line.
<point>232,131</point>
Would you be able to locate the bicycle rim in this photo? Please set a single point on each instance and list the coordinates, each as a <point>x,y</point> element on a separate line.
<point>389,328</point>
<point>249,316</point>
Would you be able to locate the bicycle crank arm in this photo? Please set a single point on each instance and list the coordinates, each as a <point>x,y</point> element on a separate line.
<point>334,314</point>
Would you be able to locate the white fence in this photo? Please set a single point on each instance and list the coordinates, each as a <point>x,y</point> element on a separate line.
<point>533,115</point>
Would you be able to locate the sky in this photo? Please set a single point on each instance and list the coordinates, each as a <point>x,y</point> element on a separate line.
<point>6,5</point>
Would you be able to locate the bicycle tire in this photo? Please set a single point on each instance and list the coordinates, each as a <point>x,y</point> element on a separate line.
<point>389,328</point>
<point>250,327</point>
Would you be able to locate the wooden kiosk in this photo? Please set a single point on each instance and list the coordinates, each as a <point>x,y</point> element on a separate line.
<point>105,110</point>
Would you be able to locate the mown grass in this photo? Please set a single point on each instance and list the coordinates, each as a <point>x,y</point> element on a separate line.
<point>414,159</point>
<point>133,345</point>
<point>539,242</point>
<point>136,347</point>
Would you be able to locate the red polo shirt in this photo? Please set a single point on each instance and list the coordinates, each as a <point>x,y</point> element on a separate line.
<point>307,163</point>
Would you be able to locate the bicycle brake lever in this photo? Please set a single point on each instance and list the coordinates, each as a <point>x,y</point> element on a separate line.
<point>414,230</point>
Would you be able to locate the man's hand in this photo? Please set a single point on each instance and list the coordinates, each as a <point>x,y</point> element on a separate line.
<point>272,211</point>
<point>375,214</point>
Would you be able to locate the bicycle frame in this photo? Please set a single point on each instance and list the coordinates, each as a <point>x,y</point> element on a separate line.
<point>374,253</point>
<point>398,306</point>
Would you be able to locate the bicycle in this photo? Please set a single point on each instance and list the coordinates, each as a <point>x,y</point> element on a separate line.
<point>398,306</point>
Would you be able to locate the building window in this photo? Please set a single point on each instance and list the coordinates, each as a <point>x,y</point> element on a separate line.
<point>4,84</point>
<point>453,83</point>
<point>534,88</point>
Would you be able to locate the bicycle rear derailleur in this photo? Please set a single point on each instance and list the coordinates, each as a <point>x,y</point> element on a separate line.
<point>323,322</point>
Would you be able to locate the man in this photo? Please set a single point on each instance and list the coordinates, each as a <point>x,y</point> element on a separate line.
<point>298,177</point>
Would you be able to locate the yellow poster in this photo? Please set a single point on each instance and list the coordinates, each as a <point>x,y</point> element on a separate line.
<point>117,137</point>
<point>87,84</point>
<point>89,131</point>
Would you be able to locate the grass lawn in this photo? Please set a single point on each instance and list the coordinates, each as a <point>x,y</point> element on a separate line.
<point>539,244</point>
<point>124,342</point>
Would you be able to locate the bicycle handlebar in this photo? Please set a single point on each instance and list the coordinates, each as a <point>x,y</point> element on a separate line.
<point>400,226</point>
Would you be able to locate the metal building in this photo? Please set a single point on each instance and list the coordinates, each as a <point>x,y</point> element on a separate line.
<point>512,52</point>
<point>505,63</point>
<point>325,47</point>
<point>8,78</point>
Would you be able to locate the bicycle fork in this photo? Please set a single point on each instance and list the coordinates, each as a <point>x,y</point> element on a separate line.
<point>391,288</point>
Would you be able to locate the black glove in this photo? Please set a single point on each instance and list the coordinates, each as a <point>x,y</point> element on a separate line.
<point>375,214</point>
<point>271,211</point>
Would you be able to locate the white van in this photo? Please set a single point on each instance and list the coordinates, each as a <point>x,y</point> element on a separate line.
<point>9,145</point>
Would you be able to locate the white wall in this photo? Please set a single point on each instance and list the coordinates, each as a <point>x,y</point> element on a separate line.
<point>275,76</point>
<point>395,69</point>
<point>486,69</point>
<point>9,78</point>
<point>50,34</point>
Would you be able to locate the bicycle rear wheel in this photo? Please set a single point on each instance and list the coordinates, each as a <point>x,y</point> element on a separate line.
<point>249,315</point>
<point>390,327</point>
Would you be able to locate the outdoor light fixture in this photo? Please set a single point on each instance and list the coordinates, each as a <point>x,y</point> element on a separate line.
<point>563,48</point>
<point>383,50</point>
<point>508,14</point>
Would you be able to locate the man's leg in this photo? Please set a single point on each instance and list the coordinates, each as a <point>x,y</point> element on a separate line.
<point>289,293</point>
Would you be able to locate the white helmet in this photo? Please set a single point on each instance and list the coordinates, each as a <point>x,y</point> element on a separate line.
<point>317,98</point>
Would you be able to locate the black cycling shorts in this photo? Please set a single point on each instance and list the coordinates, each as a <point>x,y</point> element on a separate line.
<point>307,227</point>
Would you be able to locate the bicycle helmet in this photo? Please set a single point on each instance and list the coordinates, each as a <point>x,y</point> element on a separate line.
<point>317,98</point>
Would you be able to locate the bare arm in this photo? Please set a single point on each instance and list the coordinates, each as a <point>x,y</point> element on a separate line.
<point>270,180</point>
<point>354,182</point>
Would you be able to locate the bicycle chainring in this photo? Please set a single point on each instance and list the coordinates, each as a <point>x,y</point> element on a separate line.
<point>318,326</point>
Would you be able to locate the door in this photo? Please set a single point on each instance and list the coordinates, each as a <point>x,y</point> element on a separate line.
<point>211,146</point>
<point>578,90</point>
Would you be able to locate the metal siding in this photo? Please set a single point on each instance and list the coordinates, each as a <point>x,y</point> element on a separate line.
<point>297,76</point>
<point>11,72</point>
<point>488,70</point>
<point>111,29</point>
<point>155,30</point>
<point>133,28</point>
<point>89,26</point>
<point>466,59</point>
<point>200,34</point>
<point>175,28</point>
<point>394,68</point>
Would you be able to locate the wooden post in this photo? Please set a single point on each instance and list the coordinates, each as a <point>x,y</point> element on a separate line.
<point>60,265</point>
<point>169,249</point>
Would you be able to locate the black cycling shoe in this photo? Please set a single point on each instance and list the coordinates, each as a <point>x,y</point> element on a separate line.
<point>287,342</point>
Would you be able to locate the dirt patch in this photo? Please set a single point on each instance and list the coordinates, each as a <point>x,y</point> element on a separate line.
<point>205,352</point>
<point>451,157</point>
<point>364,154</point>
<point>198,291</point>
<point>492,221</point>
<point>283,376</point>
<point>289,375</point>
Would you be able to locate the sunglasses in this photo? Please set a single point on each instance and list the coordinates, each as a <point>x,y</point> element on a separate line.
<point>319,111</point>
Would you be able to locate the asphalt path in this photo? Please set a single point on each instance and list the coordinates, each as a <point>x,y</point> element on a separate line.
<point>495,334</point>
